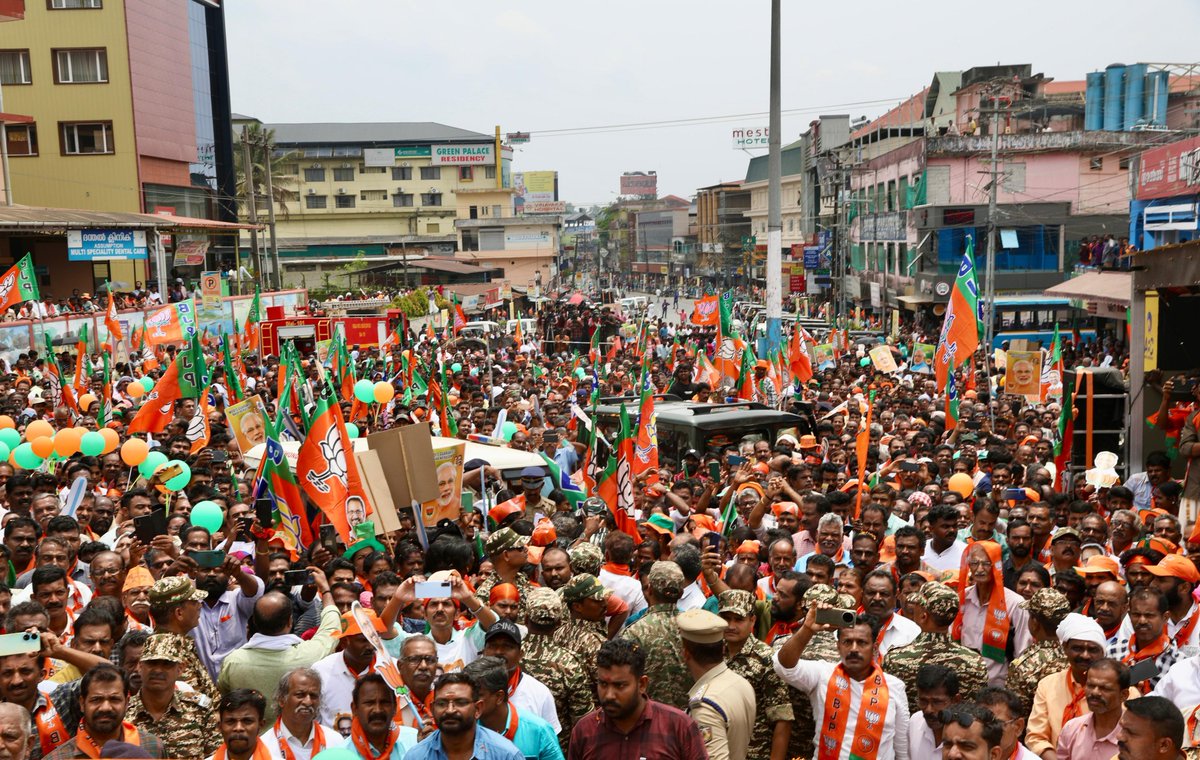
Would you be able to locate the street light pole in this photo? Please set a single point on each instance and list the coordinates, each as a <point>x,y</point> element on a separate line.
<point>774,195</point>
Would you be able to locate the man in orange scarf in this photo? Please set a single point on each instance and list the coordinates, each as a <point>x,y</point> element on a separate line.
<point>241,718</point>
<point>854,702</point>
<point>375,735</point>
<point>102,700</point>
<point>990,618</point>
<point>1148,615</point>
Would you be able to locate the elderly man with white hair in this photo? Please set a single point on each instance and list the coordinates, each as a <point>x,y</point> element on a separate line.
<point>296,734</point>
<point>1062,696</point>
<point>16,733</point>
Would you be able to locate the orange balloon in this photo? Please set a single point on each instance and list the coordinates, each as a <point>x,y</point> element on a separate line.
<point>134,451</point>
<point>111,440</point>
<point>6,422</point>
<point>134,390</point>
<point>43,446</point>
<point>86,401</point>
<point>962,484</point>
<point>66,443</point>
<point>38,429</point>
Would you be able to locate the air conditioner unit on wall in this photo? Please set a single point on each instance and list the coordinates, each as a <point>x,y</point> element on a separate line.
<point>316,166</point>
<point>341,191</point>
<point>311,191</point>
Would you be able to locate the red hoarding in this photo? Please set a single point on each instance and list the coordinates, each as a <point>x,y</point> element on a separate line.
<point>1170,170</point>
<point>639,184</point>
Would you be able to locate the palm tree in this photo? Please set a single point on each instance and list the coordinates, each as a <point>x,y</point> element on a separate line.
<point>263,153</point>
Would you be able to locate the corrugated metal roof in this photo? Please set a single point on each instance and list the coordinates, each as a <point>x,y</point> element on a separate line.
<point>450,267</point>
<point>371,133</point>
<point>37,217</point>
<point>791,156</point>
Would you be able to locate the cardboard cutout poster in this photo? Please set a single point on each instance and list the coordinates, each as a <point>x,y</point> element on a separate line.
<point>824,356</point>
<point>448,469</point>
<point>247,421</point>
<point>1023,375</point>
<point>881,357</point>
<point>922,353</point>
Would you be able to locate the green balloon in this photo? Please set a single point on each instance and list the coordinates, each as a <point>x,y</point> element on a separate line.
<point>508,430</point>
<point>335,753</point>
<point>364,391</point>
<point>91,444</point>
<point>5,452</point>
<point>864,362</point>
<point>456,367</point>
<point>351,430</point>
<point>208,515</point>
<point>10,438</point>
<point>151,463</point>
<point>180,481</point>
<point>25,457</point>
<point>147,383</point>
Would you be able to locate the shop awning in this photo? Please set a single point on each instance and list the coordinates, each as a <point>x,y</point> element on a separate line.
<point>915,299</point>
<point>52,220</point>
<point>451,266</point>
<point>1109,287</point>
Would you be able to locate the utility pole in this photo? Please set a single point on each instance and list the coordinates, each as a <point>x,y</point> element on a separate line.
<point>774,272</point>
<point>990,275</point>
<point>274,251</point>
<point>251,204</point>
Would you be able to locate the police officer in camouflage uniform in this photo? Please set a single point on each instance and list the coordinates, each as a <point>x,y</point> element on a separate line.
<point>935,605</point>
<point>175,606</point>
<point>659,637</point>
<point>558,668</point>
<point>751,659</point>
<point>1047,608</point>
<point>180,719</point>
<point>508,552</point>
<point>583,633</point>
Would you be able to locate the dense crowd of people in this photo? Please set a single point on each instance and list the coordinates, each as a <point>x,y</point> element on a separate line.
<point>960,597</point>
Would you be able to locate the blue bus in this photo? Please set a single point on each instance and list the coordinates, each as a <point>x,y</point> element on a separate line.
<point>1033,317</point>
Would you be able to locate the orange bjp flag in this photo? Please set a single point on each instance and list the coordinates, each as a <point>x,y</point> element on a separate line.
<point>707,311</point>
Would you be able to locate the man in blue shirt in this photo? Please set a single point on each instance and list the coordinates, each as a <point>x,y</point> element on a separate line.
<point>535,737</point>
<point>456,712</point>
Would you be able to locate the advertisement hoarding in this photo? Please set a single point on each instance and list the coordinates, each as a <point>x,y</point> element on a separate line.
<point>750,137</point>
<point>1170,170</point>
<point>544,207</point>
<point>639,184</point>
<point>106,245</point>
<point>462,155</point>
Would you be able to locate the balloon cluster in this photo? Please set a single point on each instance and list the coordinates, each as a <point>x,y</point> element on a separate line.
<point>136,453</point>
<point>42,442</point>
<point>374,393</point>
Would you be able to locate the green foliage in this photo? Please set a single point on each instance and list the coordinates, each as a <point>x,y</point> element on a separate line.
<point>415,303</point>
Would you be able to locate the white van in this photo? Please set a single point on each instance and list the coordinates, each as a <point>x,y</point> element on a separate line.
<point>528,327</point>
<point>633,304</point>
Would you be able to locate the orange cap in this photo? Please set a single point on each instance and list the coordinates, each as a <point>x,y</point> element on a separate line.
<point>1099,565</point>
<point>1176,566</point>
<point>748,547</point>
<point>138,577</point>
<point>350,624</point>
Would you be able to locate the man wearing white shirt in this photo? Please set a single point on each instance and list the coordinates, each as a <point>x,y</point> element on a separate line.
<point>879,599</point>
<point>1181,684</point>
<point>846,687</point>
<point>944,550</point>
<point>937,689</point>
<point>618,553</point>
<point>296,735</point>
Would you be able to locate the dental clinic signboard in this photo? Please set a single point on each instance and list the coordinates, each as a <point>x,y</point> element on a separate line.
<point>462,155</point>
<point>106,245</point>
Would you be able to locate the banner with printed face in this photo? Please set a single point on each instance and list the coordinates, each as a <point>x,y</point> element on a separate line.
<point>1023,375</point>
<point>824,355</point>
<point>881,357</point>
<point>921,354</point>
<point>448,469</point>
<point>247,420</point>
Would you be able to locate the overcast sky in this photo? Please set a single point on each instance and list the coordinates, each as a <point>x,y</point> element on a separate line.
<point>561,64</point>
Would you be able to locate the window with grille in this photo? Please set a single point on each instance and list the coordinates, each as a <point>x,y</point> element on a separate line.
<point>401,172</point>
<point>431,172</point>
<point>431,199</point>
<point>14,67</point>
<point>346,201</point>
<point>343,175</point>
<point>316,201</point>
<point>87,66</point>
<point>86,138</point>
<point>71,5</point>
<point>314,175</point>
<point>402,200</point>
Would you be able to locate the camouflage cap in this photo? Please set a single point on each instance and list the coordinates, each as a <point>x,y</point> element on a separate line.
<point>175,589</point>
<point>584,586</point>
<point>168,648</point>
<point>504,539</point>
<point>543,606</point>
<point>937,599</point>
<point>820,593</point>
<point>586,558</point>
<point>666,579</point>
<point>736,601</point>
<point>846,602</point>
<point>1048,603</point>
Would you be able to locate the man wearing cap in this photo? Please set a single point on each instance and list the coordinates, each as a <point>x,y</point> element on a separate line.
<point>1047,608</point>
<point>182,720</point>
<point>935,607</point>
<point>135,595</point>
<point>175,606</point>
<point>1176,577</point>
<point>1064,551</point>
<point>765,391</point>
<point>990,618</point>
<point>273,650</point>
<point>658,635</point>
<point>720,700</point>
<point>751,659</point>
<point>583,632</point>
<point>525,692</point>
<point>508,552</point>
<point>561,670</point>
<point>1062,696</point>
<point>341,669</point>
<point>532,481</point>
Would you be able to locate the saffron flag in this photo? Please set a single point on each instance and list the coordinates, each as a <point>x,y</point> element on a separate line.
<point>1052,378</point>
<point>798,359</point>
<point>704,372</point>
<point>115,333</point>
<point>185,377</point>
<point>707,311</point>
<point>173,323</point>
<point>60,393</point>
<point>962,328</point>
<point>862,444</point>
<point>19,284</point>
<point>746,376</point>
<point>328,471</point>
<point>81,361</point>
<point>460,318</point>
<point>645,450</point>
<point>615,484</point>
<point>253,317</point>
<point>274,481</point>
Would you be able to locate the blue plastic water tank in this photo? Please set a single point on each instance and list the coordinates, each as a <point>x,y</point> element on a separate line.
<point>1114,97</point>
<point>1093,102</point>
<point>1135,84</point>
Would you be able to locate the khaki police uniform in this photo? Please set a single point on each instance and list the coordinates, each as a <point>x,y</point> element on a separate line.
<point>721,701</point>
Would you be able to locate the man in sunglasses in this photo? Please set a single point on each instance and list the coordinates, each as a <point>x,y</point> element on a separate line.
<point>970,732</point>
